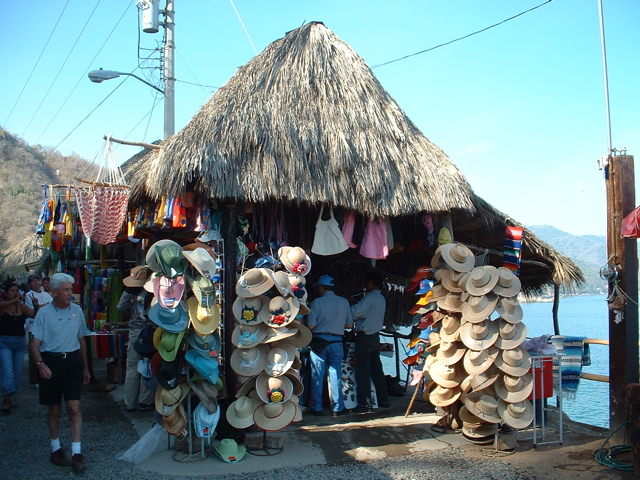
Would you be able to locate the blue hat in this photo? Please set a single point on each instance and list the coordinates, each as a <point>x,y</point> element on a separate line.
<point>326,281</point>
<point>206,345</point>
<point>425,286</point>
<point>207,367</point>
<point>173,320</point>
<point>144,344</point>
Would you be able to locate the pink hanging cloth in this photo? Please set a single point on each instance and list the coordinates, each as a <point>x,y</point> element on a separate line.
<point>347,228</point>
<point>374,242</point>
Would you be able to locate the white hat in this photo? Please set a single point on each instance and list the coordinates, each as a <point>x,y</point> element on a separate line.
<point>272,417</point>
<point>450,353</point>
<point>249,361</point>
<point>478,336</point>
<point>515,361</point>
<point>280,311</point>
<point>247,336</point>
<point>483,406</point>
<point>450,329</point>
<point>254,282</point>
<point>246,309</point>
<point>280,359</point>
<point>511,335</point>
<point>240,412</point>
<point>514,389</point>
<point>451,303</point>
<point>476,362</point>
<point>458,257</point>
<point>445,375</point>
<point>440,396</point>
<point>452,280</point>
<point>510,309</point>
<point>481,280</point>
<point>508,284</point>
<point>477,308</point>
<point>516,415</point>
<point>295,260</point>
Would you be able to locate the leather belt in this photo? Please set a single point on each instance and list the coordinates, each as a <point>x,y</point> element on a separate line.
<point>59,354</point>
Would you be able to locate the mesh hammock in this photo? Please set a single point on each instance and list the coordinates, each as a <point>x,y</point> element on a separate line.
<point>103,202</point>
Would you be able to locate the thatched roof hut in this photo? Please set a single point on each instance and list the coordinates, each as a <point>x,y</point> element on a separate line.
<point>26,255</point>
<point>307,121</point>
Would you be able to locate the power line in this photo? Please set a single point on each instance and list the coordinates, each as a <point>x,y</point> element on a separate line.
<point>37,61</point>
<point>245,28</point>
<point>196,84</point>
<point>82,77</point>
<point>461,38</point>
<point>61,67</point>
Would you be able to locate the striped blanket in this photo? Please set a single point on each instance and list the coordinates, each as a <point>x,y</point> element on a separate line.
<point>575,354</point>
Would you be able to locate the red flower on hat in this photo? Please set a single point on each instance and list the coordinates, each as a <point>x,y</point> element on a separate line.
<point>278,319</point>
<point>300,268</point>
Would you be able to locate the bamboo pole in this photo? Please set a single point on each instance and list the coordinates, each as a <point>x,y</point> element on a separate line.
<point>150,146</point>
<point>595,377</point>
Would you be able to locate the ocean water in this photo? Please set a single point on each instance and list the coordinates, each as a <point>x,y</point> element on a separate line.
<point>585,316</point>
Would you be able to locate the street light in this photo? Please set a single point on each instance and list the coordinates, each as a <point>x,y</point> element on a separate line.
<point>99,76</point>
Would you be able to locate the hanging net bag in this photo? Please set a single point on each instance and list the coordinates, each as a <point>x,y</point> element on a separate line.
<point>102,202</point>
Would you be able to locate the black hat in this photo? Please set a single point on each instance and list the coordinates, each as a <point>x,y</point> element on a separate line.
<point>144,344</point>
<point>169,372</point>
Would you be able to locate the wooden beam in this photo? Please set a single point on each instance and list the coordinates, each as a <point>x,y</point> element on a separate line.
<point>633,400</point>
<point>150,146</point>
<point>595,377</point>
<point>623,324</point>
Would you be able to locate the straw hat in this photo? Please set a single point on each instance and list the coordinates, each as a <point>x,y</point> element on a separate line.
<point>458,257</point>
<point>441,396</point>
<point>445,375</point>
<point>207,393</point>
<point>450,330</point>
<point>515,361</point>
<point>516,415</point>
<point>203,260</point>
<point>206,345</point>
<point>436,260</point>
<point>476,309</point>
<point>205,291</point>
<point>254,282</point>
<point>175,422</point>
<point>174,320</point>
<point>168,291</point>
<point>514,389</point>
<point>479,431</point>
<point>450,353</point>
<point>483,406</point>
<point>453,281</point>
<point>246,309</point>
<point>467,417</point>
<point>295,260</point>
<point>451,303</point>
<point>438,292</point>
<point>510,309</point>
<point>274,389</point>
<point>280,359</point>
<point>473,383</point>
<point>508,284</point>
<point>476,362</point>
<point>167,400</point>
<point>151,259</point>
<point>248,385</point>
<point>277,334</point>
<point>511,335</point>
<point>280,311</point>
<point>434,342</point>
<point>247,336</point>
<point>249,361</point>
<point>481,280</point>
<point>229,451</point>
<point>272,417</point>
<point>478,336</point>
<point>138,276</point>
<point>298,286</point>
<point>240,412</point>
<point>204,320</point>
<point>301,338</point>
<point>281,282</point>
<point>294,376</point>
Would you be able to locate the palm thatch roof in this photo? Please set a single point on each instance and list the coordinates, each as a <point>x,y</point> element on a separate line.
<point>307,121</point>
<point>542,265</point>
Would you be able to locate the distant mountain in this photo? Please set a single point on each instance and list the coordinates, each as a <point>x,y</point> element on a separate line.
<point>588,251</point>
<point>23,171</point>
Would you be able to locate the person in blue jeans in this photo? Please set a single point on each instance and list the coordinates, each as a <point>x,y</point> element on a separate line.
<point>329,317</point>
<point>13,314</point>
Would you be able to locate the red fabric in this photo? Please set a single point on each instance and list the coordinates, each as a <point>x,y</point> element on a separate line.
<point>630,224</point>
<point>102,211</point>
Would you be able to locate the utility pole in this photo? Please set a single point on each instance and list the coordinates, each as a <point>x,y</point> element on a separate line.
<point>169,73</point>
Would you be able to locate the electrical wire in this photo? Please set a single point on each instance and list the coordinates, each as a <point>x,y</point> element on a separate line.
<point>461,38</point>
<point>37,61</point>
<point>82,77</point>
<point>604,456</point>
<point>61,68</point>
<point>245,28</point>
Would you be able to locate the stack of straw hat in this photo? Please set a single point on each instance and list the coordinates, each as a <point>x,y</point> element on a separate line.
<point>478,367</point>
<point>267,338</point>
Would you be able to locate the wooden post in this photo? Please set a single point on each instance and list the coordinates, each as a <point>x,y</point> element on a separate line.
<point>229,278</point>
<point>554,309</point>
<point>633,400</point>
<point>623,325</point>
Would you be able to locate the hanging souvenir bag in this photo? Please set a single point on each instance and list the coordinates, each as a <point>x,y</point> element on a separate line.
<point>45,213</point>
<point>102,202</point>
<point>328,239</point>
<point>374,244</point>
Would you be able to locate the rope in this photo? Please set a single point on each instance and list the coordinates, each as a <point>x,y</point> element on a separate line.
<point>604,456</point>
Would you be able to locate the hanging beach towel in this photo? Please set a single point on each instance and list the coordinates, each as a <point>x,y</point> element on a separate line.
<point>328,239</point>
<point>103,203</point>
<point>374,243</point>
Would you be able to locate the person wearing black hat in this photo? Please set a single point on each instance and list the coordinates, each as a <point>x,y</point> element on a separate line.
<point>368,315</point>
<point>329,317</point>
<point>134,304</point>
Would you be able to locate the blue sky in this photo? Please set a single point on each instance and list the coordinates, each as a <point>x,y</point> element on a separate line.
<point>518,108</point>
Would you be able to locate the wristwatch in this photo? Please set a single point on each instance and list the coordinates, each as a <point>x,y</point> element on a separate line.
<point>38,363</point>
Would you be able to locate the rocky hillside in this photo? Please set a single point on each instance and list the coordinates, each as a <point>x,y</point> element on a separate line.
<point>23,171</point>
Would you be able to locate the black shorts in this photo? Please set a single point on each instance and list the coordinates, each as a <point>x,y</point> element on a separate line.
<point>66,378</point>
